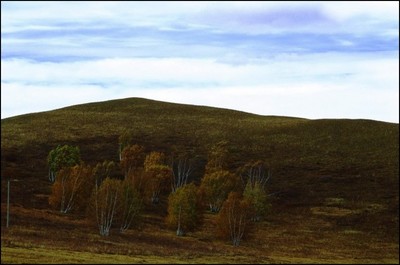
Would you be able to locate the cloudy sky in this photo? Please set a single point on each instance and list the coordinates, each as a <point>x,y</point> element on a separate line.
<point>302,59</point>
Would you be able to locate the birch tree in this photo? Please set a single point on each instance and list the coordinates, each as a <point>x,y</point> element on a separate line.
<point>72,188</point>
<point>103,170</point>
<point>255,177</point>
<point>258,198</point>
<point>132,158</point>
<point>157,175</point>
<point>184,211</point>
<point>255,173</point>
<point>60,157</point>
<point>233,219</point>
<point>104,201</point>
<point>216,186</point>
<point>181,170</point>
<point>129,205</point>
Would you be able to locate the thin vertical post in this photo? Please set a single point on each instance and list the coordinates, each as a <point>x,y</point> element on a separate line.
<point>8,201</point>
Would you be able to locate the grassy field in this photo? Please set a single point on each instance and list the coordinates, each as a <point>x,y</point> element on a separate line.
<point>46,256</point>
<point>334,186</point>
<point>72,240</point>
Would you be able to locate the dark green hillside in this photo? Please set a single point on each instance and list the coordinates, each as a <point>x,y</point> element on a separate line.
<point>312,161</point>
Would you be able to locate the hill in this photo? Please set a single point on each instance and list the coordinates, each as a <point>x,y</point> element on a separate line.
<point>343,174</point>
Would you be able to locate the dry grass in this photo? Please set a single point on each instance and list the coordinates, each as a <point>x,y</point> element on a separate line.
<point>46,256</point>
<point>53,238</point>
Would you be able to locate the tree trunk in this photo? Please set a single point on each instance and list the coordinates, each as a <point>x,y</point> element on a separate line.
<point>236,242</point>
<point>52,176</point>
<point>214,208</point>
<point>155,200</point>
<point>180,232</point>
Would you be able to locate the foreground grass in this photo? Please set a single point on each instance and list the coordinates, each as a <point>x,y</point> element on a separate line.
<point>49,237</point>
<point>46,256</point>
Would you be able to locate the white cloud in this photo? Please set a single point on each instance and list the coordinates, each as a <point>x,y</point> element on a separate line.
<point>17,98</point>
<point>343,10</point>
<point>282,69</point>
<point>310,86</point>
<point>210,15</point>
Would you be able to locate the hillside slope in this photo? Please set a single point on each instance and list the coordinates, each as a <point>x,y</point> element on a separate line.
<point>313,162</point>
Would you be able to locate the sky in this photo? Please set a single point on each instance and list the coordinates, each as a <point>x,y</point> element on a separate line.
<point>301,59</point>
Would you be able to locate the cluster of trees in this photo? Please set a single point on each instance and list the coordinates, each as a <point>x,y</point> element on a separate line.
<point>239,198</point>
